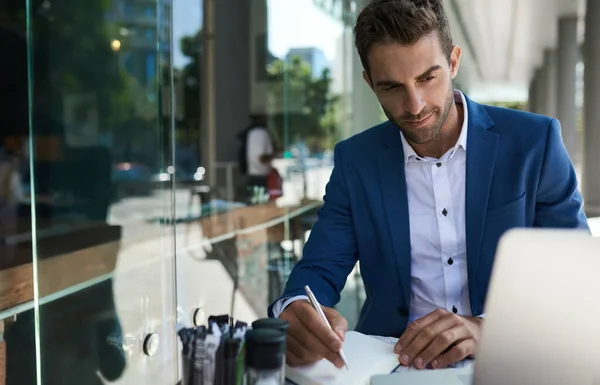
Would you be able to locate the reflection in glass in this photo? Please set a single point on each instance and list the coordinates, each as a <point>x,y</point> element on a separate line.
<point>120,173</point>
<point>82,205</point>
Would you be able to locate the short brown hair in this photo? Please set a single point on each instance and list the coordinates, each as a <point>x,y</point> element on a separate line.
<point>400,21</point>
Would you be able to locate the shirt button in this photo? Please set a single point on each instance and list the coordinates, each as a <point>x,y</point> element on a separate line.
<point>454,309</point>
<point>450,261</point>
<point>444,212</point>
<point>438,164</point>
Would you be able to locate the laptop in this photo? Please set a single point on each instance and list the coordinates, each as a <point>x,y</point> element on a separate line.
<point>543,315</point>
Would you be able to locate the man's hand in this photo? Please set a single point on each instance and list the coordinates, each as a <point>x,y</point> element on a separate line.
<point>440,339</point>
<point>309,339</point>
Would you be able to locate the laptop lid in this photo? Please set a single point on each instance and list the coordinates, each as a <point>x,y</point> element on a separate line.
<point>542,310</point>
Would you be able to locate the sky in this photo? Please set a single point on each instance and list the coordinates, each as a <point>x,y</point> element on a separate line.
<point>187,19</point>
<point>299,23</point>
<point>292,23</point>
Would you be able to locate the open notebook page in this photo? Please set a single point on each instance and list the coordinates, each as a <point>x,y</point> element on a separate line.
<point>366,356</point>
<point>400,369</point>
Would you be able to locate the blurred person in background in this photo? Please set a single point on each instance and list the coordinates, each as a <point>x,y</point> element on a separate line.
<point>256,153</point>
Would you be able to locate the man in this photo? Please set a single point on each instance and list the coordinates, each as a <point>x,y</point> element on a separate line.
<point>258,151</point>
<point>424,204</point>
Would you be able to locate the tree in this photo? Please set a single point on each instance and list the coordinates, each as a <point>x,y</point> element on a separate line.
<point>191,47</point>
<point>301,105</point>
<point>74,56</point>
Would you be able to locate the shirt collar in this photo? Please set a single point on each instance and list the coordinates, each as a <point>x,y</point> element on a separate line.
<point>459,97</point>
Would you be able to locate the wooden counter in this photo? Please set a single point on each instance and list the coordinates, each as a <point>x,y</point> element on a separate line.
<point>64,260</point>
<point>87,251</point>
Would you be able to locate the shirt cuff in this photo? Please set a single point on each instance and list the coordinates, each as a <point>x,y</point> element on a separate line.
<point>280,305</point>
<point>481,316</point>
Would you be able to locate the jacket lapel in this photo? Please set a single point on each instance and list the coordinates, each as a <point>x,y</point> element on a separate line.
<point>393,186</point>
<point>481,155</point>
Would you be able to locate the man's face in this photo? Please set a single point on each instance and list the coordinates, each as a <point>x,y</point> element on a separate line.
<point>414,85</point>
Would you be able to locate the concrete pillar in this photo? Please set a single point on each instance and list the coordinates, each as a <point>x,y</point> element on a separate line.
<point>232,93</point>
<point>548,83</point>
<point>366,110</point>
<point>567,61</point>
<point>532,98</point>
<point>539,91</point>
<point>207,97</point>
<point>591,158</point>
<point>258,56</point>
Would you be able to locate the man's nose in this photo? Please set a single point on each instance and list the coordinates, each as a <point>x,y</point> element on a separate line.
<point>414,103</point>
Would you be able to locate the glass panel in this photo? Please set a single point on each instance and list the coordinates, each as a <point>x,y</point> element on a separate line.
<point>237,68</point>
<point>310,108</point>
<point>102,210</point>
<point>17,344</point>
<point>198,280</point>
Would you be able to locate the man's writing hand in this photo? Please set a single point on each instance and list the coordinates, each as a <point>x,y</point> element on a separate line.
<point>440,339</point>
<point>309,338</point>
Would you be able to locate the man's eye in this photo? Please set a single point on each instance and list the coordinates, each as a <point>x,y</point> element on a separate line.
<point>389,88</point>
<point>429,78</point>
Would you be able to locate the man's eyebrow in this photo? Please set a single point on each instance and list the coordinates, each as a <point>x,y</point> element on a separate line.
<point>429,71</point>
<point>383,83</point>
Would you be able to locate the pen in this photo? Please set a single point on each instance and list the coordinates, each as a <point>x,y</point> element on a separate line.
<point>313,301</point>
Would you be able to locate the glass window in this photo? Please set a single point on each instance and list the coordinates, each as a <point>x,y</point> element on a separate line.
<point>151,67</point>
<point>152,185</point>
<point>149,11</point>
<point>88,219</point>
<point>150,34</point>
<point>162,161</point>
<point>128,10</point>
<point>258,95</point>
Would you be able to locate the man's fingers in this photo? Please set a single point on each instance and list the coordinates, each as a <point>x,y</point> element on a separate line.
<point>312,322</point>
<point>302,342</point>
<point>309,340</point>
<point>457,353</point>
<point>441,343</point>
<point>292,360</point>
<point>305,356</point>
<point>415,328</point>
<point>338,323</point>
<point>294,347</point>
<point>425,337</point>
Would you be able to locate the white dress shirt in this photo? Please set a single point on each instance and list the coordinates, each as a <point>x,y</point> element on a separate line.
<point>436,205</point>
<point>258,144</point>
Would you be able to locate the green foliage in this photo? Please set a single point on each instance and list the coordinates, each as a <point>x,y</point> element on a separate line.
<point>189,76</point>
<point>302,107</point>
<point>73,40</point>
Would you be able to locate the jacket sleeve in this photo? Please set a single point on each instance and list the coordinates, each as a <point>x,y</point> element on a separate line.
<point>559,203</point>
<point>330,252</point>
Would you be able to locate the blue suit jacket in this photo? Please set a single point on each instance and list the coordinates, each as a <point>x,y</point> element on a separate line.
<point>518,174</point>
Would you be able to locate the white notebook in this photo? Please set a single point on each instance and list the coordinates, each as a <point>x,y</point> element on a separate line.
<point>366,356</point>
<point>467,362</point>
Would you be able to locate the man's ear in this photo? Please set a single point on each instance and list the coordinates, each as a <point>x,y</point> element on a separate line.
<point>367,79</point>
<point>455,60</point>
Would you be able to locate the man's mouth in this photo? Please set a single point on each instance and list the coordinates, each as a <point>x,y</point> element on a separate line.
<point>419,122</point>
